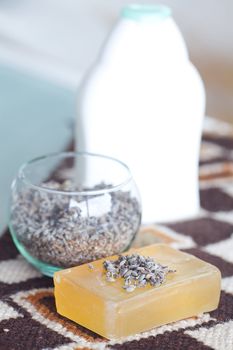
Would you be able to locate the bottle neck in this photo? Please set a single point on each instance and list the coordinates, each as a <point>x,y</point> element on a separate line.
<point>137,12</point>
<point>140,39</point>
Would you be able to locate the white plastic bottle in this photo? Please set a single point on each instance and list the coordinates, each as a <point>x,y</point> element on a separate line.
<point>143,102</point>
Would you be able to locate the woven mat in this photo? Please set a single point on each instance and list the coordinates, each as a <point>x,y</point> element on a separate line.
<point>28,318</point>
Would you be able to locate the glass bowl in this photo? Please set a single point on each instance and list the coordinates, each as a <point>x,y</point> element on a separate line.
<point>71,208</point>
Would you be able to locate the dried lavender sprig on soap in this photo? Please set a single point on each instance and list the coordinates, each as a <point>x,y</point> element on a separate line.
<point>136,270</point>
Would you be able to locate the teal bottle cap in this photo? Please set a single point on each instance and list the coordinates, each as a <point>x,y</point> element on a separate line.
<point>139,12</point>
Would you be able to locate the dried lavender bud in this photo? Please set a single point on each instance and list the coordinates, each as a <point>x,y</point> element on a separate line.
<point>91,267</point>
<point>124,272</point>
<point>111,279</point>
<point>142,277</point>
<point>137,271</point>
<point>128,273</point>
<point>130,288</point>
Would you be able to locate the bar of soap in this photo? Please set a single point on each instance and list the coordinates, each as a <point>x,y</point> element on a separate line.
<point>83,294</point>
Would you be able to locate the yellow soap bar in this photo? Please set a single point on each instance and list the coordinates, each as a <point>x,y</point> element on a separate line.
<point>85,296</point>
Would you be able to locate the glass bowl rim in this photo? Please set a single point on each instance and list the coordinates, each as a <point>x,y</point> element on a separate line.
<point>21,174</point>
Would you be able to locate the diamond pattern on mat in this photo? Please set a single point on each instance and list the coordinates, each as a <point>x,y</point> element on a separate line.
<point>226,216</point>
<point>175,340</point>
<point>226,142</point>
<point>16,270</point>
<point>7,248</point>
<point>28,334</point>
<point>210,152</point>
<point>222,159</point>
<point>213,199</point>
<point>225,267</point>
<point>219,337</point>
<point>7,312</point>
<point>223,249</point>
<point>227,284</point>
<point>224,311</point>
<point>203,230</point>
<point>40,282</point>
<point>189,323</point>
<point>70,346</point>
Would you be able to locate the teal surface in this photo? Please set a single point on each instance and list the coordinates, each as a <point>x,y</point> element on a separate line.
<point>36,117</point>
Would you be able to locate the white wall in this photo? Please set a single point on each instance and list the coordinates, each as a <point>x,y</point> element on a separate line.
<point>67,34</point>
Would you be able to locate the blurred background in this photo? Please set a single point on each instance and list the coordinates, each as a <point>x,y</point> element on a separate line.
<point>47,46</point>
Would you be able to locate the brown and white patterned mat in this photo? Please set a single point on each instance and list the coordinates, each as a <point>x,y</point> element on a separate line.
<point>28,318</point>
